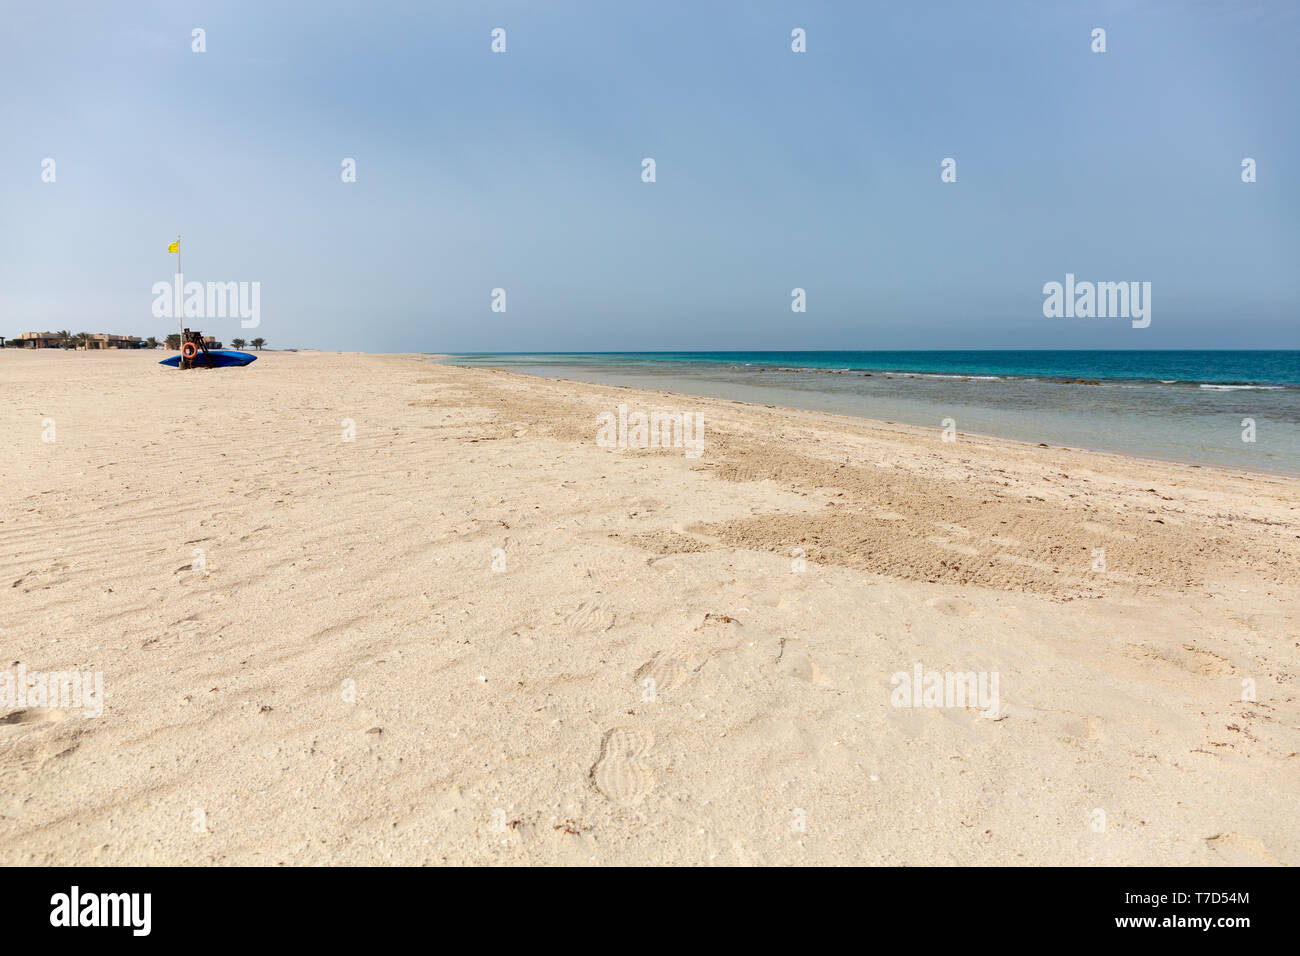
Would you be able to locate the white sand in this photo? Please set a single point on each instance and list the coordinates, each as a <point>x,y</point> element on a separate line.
<point>499,715</point>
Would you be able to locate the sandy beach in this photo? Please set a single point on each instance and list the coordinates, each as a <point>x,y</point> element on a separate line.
<point>373,609</point>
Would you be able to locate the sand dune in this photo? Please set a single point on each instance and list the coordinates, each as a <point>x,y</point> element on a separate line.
<point>469,634</point>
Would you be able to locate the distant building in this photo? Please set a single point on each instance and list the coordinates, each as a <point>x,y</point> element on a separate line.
<point>104,340</point>
<point>52,340</point>
<point>39,340</point>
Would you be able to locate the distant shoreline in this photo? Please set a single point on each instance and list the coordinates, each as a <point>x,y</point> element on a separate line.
<point>1188,422</point>
<point>1263,368</point>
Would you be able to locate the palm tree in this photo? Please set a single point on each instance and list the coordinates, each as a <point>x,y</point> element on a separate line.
<point>151,342</point>
<point>258,343</point>
<point>64,335</point>
<point>81,338</point>
<point>238,343</point>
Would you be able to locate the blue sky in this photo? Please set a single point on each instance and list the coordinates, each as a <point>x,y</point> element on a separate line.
<point>775,170</point>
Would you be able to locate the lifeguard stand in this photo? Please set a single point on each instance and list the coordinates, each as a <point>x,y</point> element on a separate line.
<point>193,357</point>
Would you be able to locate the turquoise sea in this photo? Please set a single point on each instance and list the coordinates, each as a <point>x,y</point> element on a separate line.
<point>1187,406</point>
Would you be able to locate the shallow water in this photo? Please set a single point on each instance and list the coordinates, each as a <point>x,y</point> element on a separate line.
<point>1181,406</point>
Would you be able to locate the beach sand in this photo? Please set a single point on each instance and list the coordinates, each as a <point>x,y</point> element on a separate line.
<point>309,657</point>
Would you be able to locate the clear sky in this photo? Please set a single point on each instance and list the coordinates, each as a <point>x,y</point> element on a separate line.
<point>775,170</point>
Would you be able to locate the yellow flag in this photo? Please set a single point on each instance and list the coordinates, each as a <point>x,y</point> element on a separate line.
<point>175,246</point>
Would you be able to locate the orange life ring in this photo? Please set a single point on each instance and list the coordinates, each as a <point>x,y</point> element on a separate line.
<point>189,350</point>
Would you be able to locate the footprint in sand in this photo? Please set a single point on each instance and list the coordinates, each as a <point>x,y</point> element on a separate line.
<point>1189,657</point>
<point>619,774</point>
<point>953,607</point>
<point>39,736</point>
<point>665,670</point>
<point>588,617</point>
<point>1242,849</point>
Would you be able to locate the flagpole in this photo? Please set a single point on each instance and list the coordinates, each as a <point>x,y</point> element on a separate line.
<point>180,299</point>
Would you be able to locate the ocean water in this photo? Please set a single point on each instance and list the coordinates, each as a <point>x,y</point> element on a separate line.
<point>1186,406</point>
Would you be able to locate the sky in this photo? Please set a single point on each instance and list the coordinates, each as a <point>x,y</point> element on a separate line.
<point>774,170</point>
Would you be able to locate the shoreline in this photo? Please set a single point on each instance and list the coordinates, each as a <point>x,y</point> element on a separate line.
<point>849,418</point>
<point>1077,377</point>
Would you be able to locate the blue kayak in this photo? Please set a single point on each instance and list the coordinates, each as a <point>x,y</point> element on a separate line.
<point>221,358</point>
